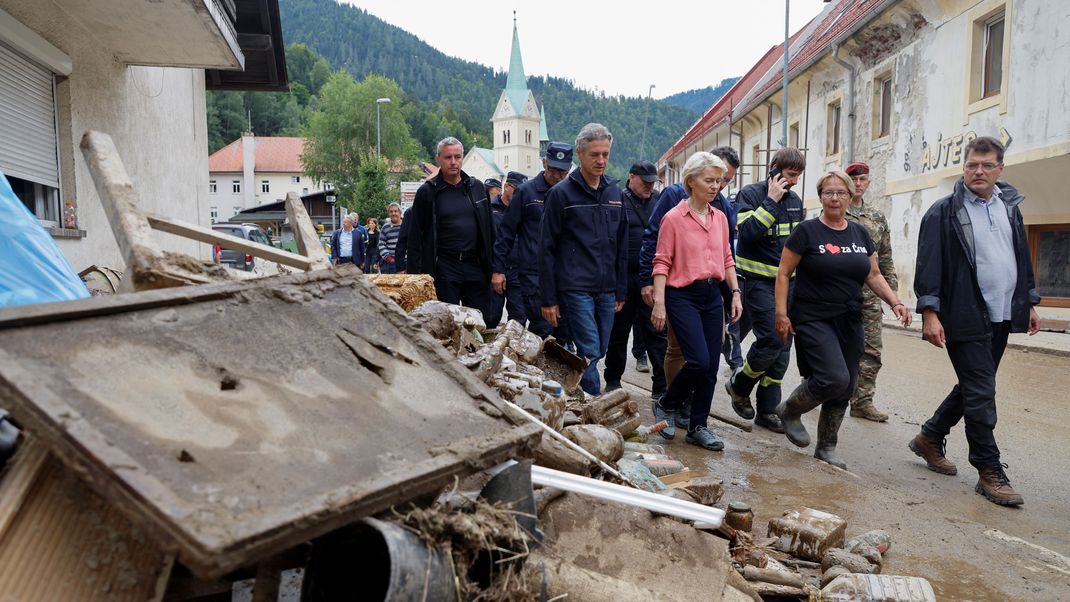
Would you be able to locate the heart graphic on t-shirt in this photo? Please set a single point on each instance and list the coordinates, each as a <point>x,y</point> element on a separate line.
<point>831,248</point>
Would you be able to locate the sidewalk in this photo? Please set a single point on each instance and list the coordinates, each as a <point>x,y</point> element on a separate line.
<point>1053,343</point>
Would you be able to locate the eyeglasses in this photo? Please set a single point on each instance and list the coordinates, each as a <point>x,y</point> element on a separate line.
<point>982,166</point>
<point>835,194</point>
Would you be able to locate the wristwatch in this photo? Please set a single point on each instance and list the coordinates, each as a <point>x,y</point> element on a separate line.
<point>736,290</point>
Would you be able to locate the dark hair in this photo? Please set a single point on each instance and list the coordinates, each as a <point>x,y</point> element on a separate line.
<point>985,145</point>
<point>728,155</point>
<point>789,158</point>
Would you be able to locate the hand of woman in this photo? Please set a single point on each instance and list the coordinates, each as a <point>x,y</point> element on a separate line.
<point>657,316</point>
<point>784,327</point>
<point>904,314</point>
<point>737,309</point>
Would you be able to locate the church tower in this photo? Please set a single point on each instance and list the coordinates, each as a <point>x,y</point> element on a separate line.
<point>517,120</point>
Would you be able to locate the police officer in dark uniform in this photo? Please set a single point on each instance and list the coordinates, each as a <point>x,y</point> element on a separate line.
<point>452,232</point>
<point>518,232</point>
<point>768,213</point>
<point>512,295</point>
<point>639,199</point>
<point>493,187</point>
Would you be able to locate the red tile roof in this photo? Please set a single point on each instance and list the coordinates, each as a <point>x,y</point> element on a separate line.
<point>279,154</point>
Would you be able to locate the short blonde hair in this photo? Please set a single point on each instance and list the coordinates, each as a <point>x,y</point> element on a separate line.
<point>842,176</point>
<point>696,164</point>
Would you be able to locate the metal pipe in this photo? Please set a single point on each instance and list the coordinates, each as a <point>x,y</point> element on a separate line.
<point>610,492</point>
<point>852,72</point>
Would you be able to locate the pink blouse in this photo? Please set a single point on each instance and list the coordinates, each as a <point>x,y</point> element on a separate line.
<point>689,250</point>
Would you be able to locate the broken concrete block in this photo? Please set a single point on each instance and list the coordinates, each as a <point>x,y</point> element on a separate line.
<point>807,533</point>
<point>661,468</point>
<point>852,562</point>
<point>707,490</point>
<point>877,538</point>
<point>606,444</point>
<point>644,448</point>
<point>640,475</point>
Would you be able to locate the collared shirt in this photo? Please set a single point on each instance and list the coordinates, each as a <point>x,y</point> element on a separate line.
<point>345,243</point>
<point>690,249</point>
<point>997,269</point>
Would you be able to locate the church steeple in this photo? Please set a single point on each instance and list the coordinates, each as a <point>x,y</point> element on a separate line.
<point>517,83</point>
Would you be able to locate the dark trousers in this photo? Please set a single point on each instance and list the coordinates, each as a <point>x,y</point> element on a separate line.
<point>512,300</point>
<point>974,398</point>
<point>696,313</point>
<point>733,345</point>
<point>462,282</point>
<point>768,357</point>
<point>635,316</point>
<point>529,287</point>
<point>388,267</point>
<point>828,352</point>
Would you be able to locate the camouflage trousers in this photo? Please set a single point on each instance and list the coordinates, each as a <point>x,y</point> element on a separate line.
<point>870,363</point>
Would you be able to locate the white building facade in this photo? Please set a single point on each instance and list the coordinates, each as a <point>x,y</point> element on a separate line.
<point>252,171</point>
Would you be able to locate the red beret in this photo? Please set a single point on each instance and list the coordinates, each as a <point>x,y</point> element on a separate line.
<point>857,169</point>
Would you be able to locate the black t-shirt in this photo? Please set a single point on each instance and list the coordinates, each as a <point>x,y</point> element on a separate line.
<point>457,228</point>
<point>832,271</point>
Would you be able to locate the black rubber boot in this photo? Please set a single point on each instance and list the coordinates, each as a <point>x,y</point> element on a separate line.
<point>828,430</point>
<point>791,410</point>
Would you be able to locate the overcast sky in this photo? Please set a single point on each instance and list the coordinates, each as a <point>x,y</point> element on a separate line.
<point>607,46</point>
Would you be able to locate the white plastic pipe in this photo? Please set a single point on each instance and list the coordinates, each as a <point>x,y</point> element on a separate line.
<point>547,477</point>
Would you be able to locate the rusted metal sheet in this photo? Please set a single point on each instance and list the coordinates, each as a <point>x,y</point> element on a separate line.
<point>235,420</point>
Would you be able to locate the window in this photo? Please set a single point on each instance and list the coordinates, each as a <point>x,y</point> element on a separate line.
<point>506,159</point>
<point>833,126</point>
<point>235,186</point>
<point>793,135</point>
<point>883,104</point>
<point>992,57</point>
<point>529,161</point>
<point>28,143</point>
<point>213,213</point>
<point>756,159</point>
<point>265,186</point>
<point>212,188</point>
<point>1050,249</point>
<point>304,191</point>
<point>294,180</point>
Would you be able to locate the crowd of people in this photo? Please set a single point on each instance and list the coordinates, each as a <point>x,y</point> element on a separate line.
<point>688,273</point>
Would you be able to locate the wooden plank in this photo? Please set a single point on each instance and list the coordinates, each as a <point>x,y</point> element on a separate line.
<point>683,475</point>
<point>19,475</point>
<point>212,237</point>
<point>229,447</point>
<point>305,236</point>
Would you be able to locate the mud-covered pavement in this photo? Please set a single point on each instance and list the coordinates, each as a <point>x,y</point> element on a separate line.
<point>969,548</point>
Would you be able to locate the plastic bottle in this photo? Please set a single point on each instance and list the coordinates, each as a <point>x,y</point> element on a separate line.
<point>642,434</point>
<point>877,588</point>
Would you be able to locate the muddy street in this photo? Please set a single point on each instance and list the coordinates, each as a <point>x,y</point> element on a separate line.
<point>969,548</point>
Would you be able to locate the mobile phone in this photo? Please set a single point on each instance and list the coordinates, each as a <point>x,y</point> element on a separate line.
<point>774,173</point>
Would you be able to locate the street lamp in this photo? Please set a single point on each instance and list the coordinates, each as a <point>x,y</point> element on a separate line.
<point>379,126</point>
<point>646,113</point>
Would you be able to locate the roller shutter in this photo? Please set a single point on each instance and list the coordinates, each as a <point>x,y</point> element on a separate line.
<point>27,120</point>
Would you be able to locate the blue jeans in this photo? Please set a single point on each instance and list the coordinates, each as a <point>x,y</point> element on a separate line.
<point>590,319</point>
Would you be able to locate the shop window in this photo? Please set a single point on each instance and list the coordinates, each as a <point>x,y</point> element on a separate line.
<point>1050,249</point>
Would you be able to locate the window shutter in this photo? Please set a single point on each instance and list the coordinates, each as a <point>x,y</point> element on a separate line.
<point>28,114</point>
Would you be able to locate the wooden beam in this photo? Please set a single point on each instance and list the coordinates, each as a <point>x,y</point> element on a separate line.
<point>212,237</point>
<point>308,241</point>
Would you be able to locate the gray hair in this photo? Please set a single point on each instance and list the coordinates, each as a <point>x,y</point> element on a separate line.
<point>590,133</point>
<point>696,164</point>
<point>393,205</point>
<point>447,141</point>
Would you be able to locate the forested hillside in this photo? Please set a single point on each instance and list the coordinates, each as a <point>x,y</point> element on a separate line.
<point>697,101</point>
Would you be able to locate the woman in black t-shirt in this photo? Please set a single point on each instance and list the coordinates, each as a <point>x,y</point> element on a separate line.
<point>831,258</point>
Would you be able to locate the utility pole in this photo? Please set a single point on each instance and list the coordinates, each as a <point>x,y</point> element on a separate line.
<point>646,115</point>
<point>379,102</point>
<point>784,106</point>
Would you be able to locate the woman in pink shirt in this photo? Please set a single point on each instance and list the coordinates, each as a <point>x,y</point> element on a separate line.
<point>693,258</point>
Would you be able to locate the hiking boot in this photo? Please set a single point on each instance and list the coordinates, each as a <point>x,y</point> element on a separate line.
<point>769,421</point>
<point>828,434</point>
<point>790,412</point>
<point>869,412</point>
<point>641,364</point>
<point>704,438</point>
<point>994,485</point>
<point>932,451</point>
<point>740,403</point>
<point>660,413</point>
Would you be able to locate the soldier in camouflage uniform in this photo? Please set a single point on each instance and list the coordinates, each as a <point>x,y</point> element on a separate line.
<point>872,315</point>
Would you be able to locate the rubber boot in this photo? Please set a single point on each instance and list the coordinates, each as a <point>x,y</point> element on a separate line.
<point>791,410</point>
<point>828,430</point>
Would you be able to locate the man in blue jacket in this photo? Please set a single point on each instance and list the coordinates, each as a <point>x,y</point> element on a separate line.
<point>347,244</point>
<point>512,294</point>
<point>583,252</point>
<point>974,283</point>
<point>518,233</point>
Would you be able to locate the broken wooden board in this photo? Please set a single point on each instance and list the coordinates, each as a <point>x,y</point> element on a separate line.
<point>235,420</point>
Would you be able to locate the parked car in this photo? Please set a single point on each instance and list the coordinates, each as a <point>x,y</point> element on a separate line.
<point>237,259</point>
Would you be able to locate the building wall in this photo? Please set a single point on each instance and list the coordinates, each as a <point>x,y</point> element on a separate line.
<point>156,117</point>
<point>226,201</point>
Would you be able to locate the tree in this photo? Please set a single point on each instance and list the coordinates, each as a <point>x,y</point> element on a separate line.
<point>375,190</point>
<point>341,133</point>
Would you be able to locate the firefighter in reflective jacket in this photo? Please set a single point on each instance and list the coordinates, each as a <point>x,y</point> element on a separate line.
<point>768,213</point>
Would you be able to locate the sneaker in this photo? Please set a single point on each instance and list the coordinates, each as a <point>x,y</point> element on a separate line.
<point>641,364</point>
<point>769,421</point>
<point>994,485</point>
<point>660,413</point>
<point>683,420</point>
<point>704,438</point>
<point>869,412</point>
<point>740,403</point>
